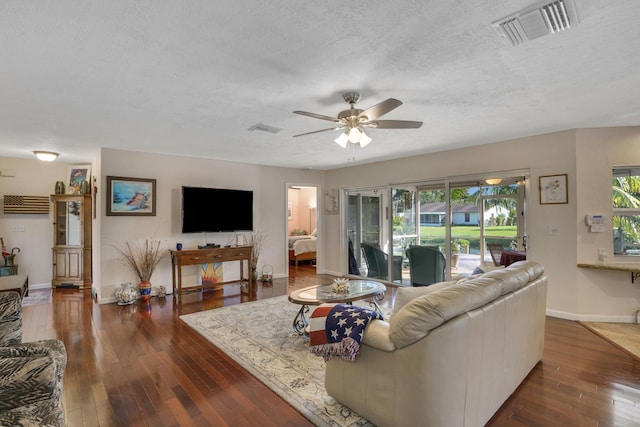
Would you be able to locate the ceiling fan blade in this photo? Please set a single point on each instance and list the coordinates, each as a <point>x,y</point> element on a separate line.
<point>380,109</point>
<point>318,131</point>
<point>393,124</point>
<point>317,116</point>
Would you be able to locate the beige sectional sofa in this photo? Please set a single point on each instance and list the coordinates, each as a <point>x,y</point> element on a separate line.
<point>452,352</point>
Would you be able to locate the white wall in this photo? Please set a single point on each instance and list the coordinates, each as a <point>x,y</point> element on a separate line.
<point>586,156</point>
<point>172,172</point>
<point>32,178</point>
<point>607,295</point>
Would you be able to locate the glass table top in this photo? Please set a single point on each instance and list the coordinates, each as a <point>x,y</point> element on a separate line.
<point>358,289</point>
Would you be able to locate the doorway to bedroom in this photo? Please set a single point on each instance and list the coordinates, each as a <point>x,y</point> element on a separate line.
<point>302,221</point>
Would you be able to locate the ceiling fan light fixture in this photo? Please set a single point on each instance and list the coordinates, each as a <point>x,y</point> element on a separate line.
<point>364,140</point>
<point>46,156</point>
<point>493,181</point>
<point>354,135</point>
<point>354,119</point>
<point>342,140</point>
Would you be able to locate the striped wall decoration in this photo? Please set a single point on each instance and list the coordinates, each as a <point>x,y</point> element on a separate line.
<point>26,204</point>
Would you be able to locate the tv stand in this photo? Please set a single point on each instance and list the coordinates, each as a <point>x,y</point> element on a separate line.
<point>208,255</point>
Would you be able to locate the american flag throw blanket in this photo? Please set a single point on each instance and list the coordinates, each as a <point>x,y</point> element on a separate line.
<point>337,330</point>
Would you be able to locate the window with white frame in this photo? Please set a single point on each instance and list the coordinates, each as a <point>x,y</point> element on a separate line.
<point>626,210</point>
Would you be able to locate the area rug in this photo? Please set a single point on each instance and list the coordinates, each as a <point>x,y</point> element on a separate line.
<point>626,336</point>
<point>259,336</point>
<point>36,297</point>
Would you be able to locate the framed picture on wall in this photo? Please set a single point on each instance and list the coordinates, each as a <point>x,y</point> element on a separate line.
<point>131,196</point>
<point>77,174</point>
<point>331,205</point>
<point>290,211</point>
<point>553,189</point>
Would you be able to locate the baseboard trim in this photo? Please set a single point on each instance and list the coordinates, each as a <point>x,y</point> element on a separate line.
<point>39,286</point>
<point>592,317</point>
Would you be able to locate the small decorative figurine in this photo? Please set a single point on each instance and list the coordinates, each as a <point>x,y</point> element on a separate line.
<point>340,286</point>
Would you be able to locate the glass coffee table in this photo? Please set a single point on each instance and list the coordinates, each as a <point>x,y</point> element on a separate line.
<point>321,294</point>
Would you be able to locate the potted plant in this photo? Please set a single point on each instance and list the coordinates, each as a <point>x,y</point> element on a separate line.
<point>142,259</point>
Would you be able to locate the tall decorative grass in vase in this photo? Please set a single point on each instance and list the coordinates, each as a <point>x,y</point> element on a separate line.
<point>142,259</point>
<point>256,241</point>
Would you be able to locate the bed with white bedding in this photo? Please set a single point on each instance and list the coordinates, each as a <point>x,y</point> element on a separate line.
<point>302,248</point>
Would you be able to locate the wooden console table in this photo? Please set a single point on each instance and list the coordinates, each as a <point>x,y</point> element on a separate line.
<point>18,283</point>
<point>204,256</point>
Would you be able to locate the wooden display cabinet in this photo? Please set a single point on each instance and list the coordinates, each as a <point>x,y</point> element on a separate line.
<point>71,241</point>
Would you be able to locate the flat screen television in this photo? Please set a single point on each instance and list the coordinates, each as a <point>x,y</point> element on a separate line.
<point>216,210</point>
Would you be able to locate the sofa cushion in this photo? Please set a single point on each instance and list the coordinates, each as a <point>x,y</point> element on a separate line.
<point>407,294</point>
<point>377,336</point>
<point>416,319</point>
<point>516,276</point>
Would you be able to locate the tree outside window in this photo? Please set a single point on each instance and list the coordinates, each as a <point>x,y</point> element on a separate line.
<point>626,210</point>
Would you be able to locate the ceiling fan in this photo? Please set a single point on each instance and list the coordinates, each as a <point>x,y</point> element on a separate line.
<point>354,120</point>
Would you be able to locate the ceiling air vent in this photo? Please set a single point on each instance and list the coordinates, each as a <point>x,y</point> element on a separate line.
<point>537,21</point>
<point>265,128</point>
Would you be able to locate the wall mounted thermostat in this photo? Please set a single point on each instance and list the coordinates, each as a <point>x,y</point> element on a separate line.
<point>596,222</point>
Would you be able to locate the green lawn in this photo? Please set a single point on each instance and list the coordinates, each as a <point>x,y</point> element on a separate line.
<point>468,232</point>
<point>435,235</point>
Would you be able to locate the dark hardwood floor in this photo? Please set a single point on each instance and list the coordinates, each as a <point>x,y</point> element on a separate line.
<point>140,365</point>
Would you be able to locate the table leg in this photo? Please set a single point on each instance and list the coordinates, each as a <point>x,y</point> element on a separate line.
<point>173,277</point>
<point>374,302</point>
<point>300,321</point>
<point>179,283</point>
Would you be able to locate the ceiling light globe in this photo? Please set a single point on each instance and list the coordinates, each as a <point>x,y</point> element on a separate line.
<point>355,135</point>
<point>46,156</point>
<point>342,140</point>
<point>493,181</point>
<point>364,140</point>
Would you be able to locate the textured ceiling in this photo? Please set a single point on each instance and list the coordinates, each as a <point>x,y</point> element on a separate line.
<point>191,77</point>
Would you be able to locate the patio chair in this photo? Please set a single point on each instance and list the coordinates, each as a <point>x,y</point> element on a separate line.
<point>426,265</point>
<point>377,263</point>
<point>495,249</point>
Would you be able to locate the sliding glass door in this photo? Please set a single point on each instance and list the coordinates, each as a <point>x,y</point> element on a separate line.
<point>460,217</point>
<point>364,233</point>
<point>404,229</point>
<point>503,216</point>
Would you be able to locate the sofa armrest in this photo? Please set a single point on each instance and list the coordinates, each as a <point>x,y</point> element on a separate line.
<point>377,336</point>
<point>49,348</point>
<point>10,318</point>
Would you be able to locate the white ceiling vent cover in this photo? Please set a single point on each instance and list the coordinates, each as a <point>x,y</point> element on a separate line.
<point>537,21</point>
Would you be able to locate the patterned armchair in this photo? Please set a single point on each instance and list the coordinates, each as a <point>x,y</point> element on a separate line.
<point>30,373</point>
<point>10,319</point>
